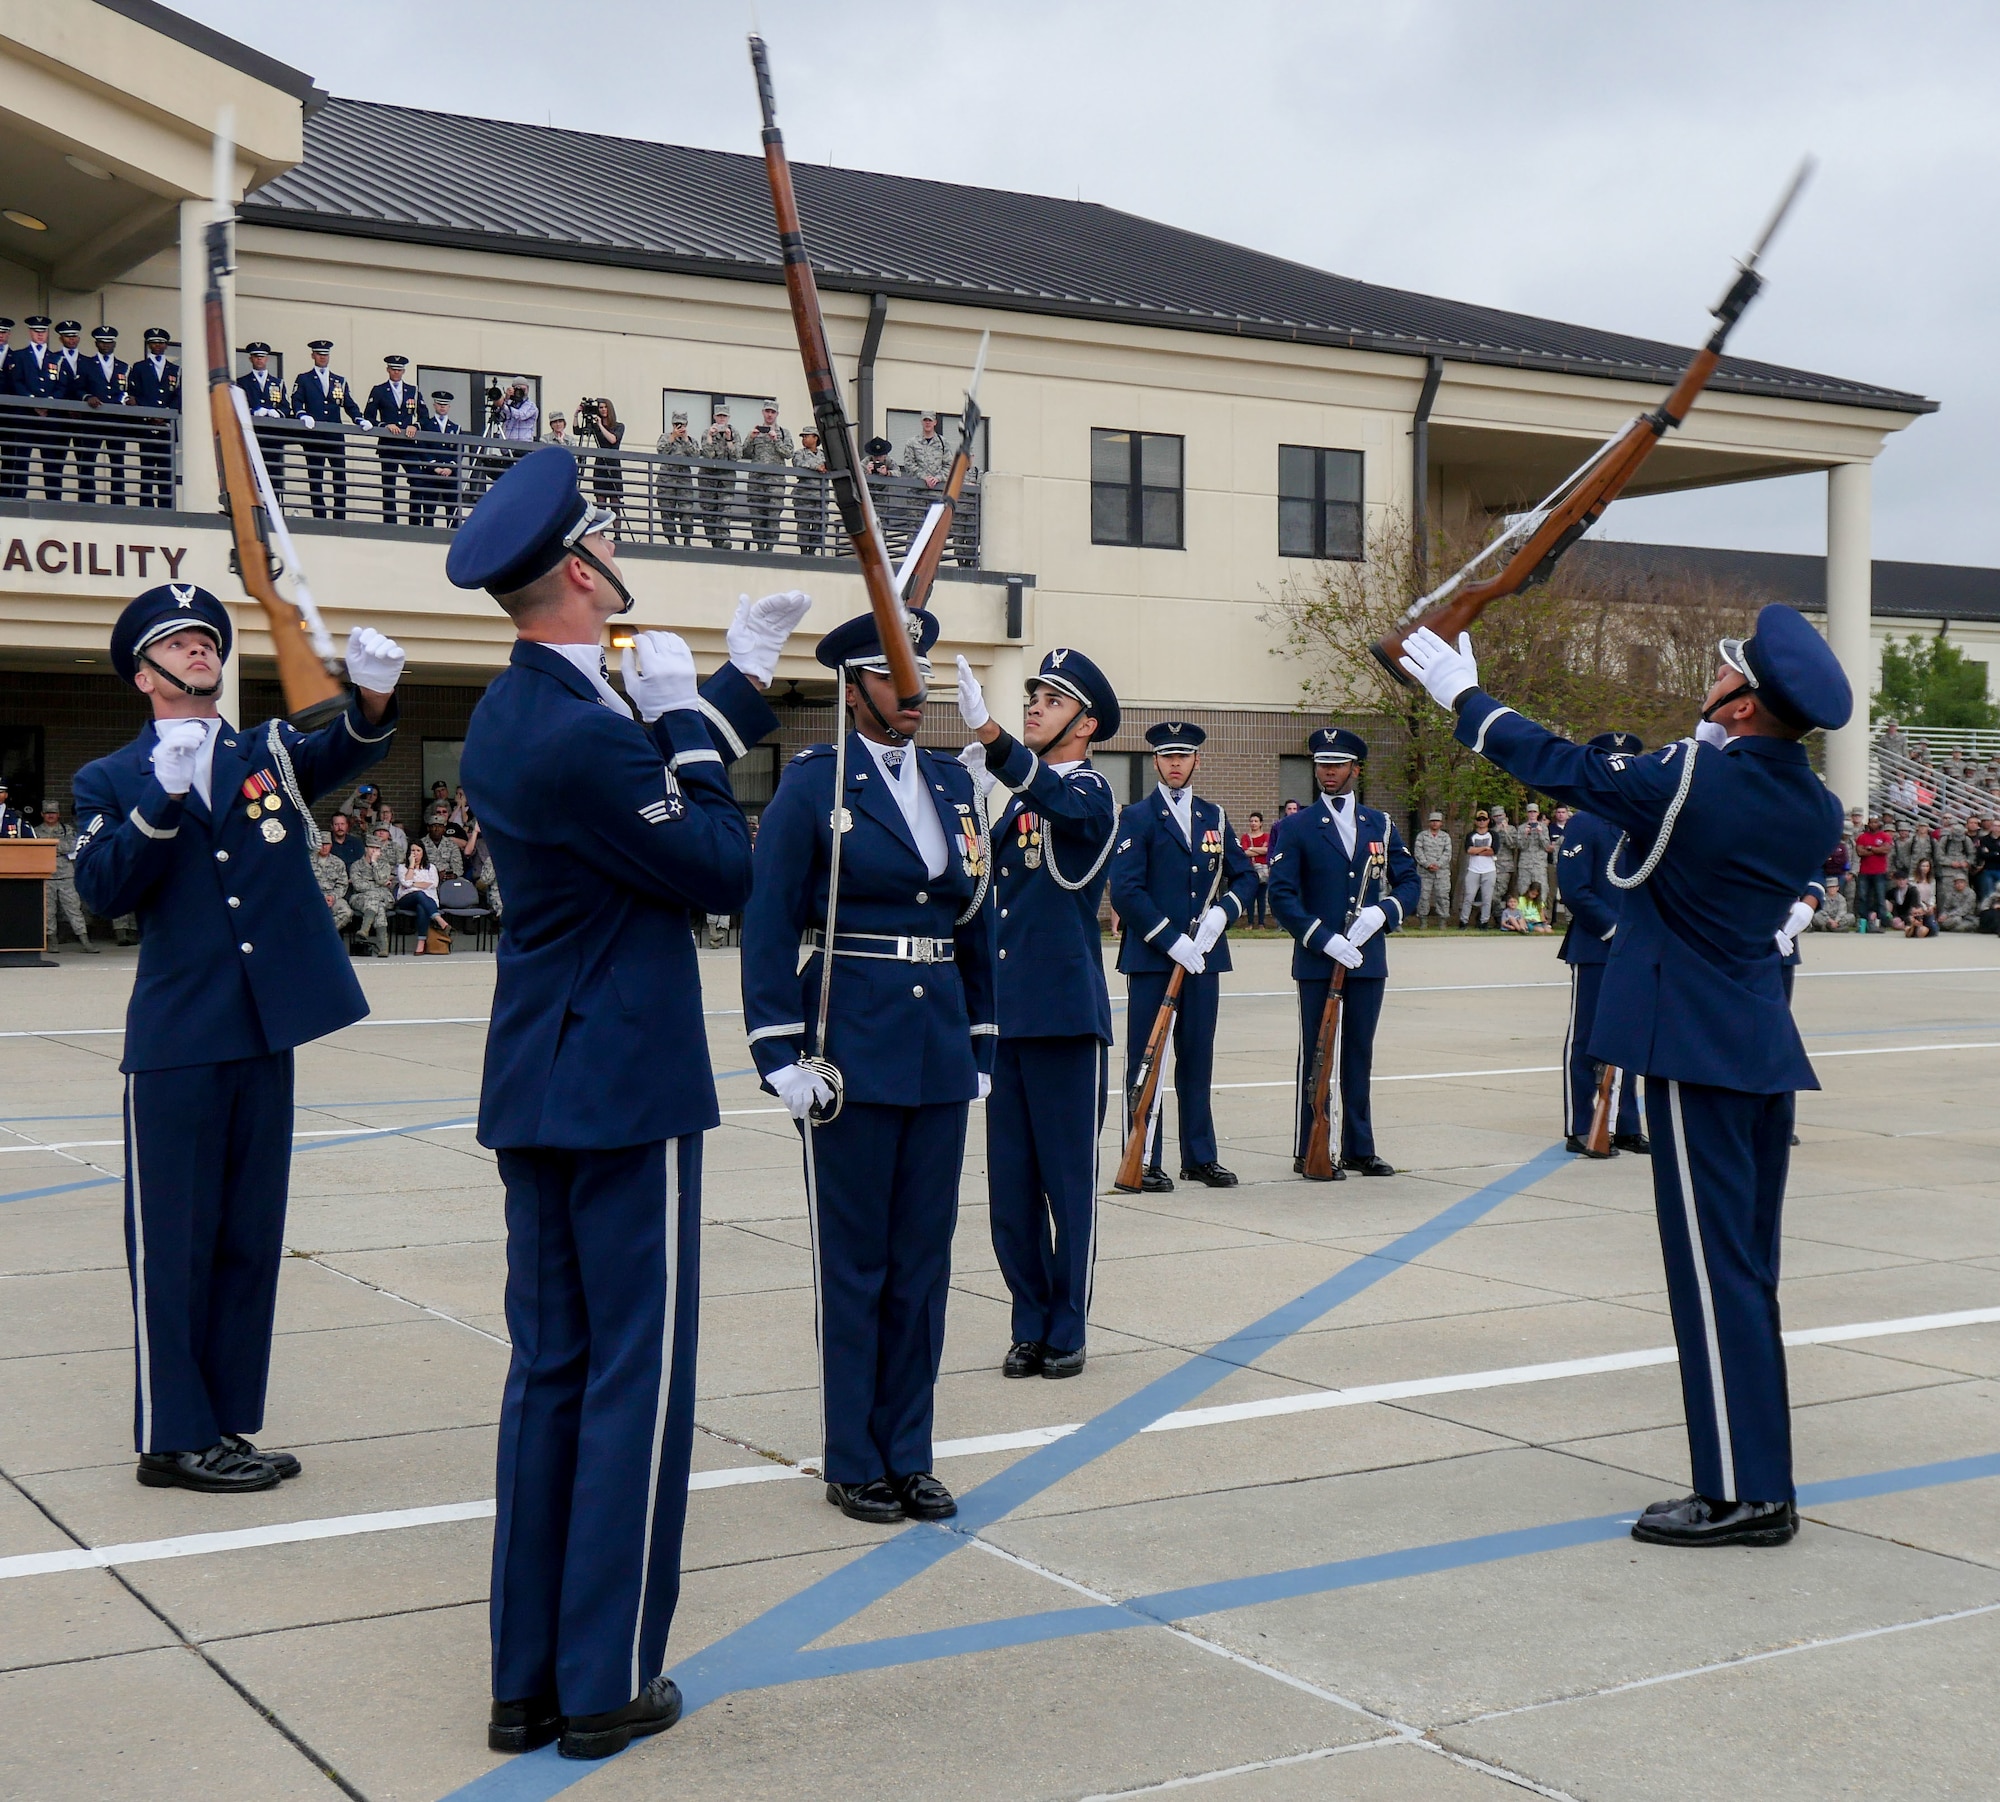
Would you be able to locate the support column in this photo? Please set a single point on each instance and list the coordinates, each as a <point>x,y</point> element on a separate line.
<point>1849,603</point>
<point>200,492</point>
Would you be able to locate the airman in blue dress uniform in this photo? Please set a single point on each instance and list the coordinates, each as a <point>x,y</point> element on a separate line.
<point>396,410</point>
<point>610,835</point>
<point>101,382</point>
<point>1163,869</point>
<point>322,398</point>
<point>1051,843</point>
<point>202,830</point>
<point>910,1030</point>
<point>1594,906</point>
<point>1723,832</point>
<point>1341,880</point>
<point>270,411</point>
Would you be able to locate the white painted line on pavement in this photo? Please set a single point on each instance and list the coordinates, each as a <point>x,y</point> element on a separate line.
<point>34,1564</point>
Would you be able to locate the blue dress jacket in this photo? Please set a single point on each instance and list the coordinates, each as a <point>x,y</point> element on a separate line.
<point>1315,887</point>
<point>382,408</point>
<point>90,382</point>
<point>151,388</point>
<point>1594,905</point>
<point>607,834</point>
<point>1159,883</point>
<point>264,392</point>
<point>20,374</point>
<point>902,1034</point>
<point>1692,990</point>
<point>311,401</point>
<point>1051,845</point>
<point>238,955</point>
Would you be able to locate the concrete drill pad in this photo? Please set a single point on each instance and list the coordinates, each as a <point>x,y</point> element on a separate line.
<point>1396,1771</point>
<point>72,1615</point>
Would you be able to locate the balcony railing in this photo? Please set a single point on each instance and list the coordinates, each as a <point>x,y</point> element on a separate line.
<point>68,450</point>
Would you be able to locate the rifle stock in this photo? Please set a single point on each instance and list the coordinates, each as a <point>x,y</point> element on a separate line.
<point>1598,1143</point>
<point>836,436</point>
<point>1132,1165</point>
<point>1319,1165</point>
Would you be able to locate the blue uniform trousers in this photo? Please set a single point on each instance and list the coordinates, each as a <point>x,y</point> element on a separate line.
<point>208,1148</point>
<point>1580,1068</point>
<point>1360,1009</point>
<point>882,1187</point>
<point>1194,1058</point>
<point>1042,1124</point>
<point>1719,1162</point>
<point>597,1421</point>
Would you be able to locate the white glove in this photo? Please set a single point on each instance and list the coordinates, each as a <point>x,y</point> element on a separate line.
<point>1708,732</point>
<point>799,1089</point>
<point>971,698</point>
<point>974,759</point>
<point>373,661</point>
<point>1445,673</point>
<point>758,632</point>
<point>179,741</point>
<point>1367,923</point>
<point>985,1087</point>
<point>1795,923</point>
<point>659,674</point>
<point>1344,952</point>
<point>1183,952</point>
<point>1213,924</point>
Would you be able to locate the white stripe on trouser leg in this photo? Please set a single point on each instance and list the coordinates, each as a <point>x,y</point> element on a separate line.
<point>1698,1256</point>
<point>142,1337</point>
<point>806,1131</point>
<point>1569,1042</point>
<point>670,1314</point>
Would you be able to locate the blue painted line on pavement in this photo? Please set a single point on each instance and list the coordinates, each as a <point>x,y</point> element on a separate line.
<point>765,1651</point>
<point>89,1182</point>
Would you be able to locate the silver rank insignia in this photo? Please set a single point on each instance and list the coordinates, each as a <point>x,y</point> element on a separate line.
<point>843,821</point>
<point>273,830</point>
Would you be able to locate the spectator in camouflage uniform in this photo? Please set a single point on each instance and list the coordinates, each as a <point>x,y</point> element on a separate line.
<point>331,875</point>
<point>1958,906</point>
<point>1506,853</point>
<point>767,450</point>
<point>1433,854</point>
<point>1954,854</point>
<point>1833,914</point>
<point>59,895</point>
<point>809,494</point>
<point>371,892</point>
<point>719,444</point>
<point>440,848</point>
<point>673,488</point>
<point>1532,860</point>
<point>927,456</point>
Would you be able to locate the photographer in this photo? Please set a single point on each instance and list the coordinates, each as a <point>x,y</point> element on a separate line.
<point>719,444</point>
<point>597,424</point>
<point>513,415</point>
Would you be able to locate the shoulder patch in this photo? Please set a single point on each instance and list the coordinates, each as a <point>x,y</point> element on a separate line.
<point>1125,845</point>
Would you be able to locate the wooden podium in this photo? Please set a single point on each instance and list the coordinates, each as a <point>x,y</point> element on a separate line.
<point>26,864</point>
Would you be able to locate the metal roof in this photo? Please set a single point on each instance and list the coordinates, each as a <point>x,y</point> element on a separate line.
<point>1951,593</point>
<point>440,178</point>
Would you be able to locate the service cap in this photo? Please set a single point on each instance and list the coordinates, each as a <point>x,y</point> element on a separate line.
<point>440,394</point>
<point>1792,669</point>
<point>524,525</point>
<point>1072,673</point>
<point>1335,744</point>
<point>1176,735</point>
<point>155,334</point>
<point>105,334</point>
<point>856,642</point>
<point>36,322</point>
<point>396,362</point>
<point>319,344</point>
<point>70,328</point>
<point>1628,742</point>
<point>160,613</point>
<point>257,348</point>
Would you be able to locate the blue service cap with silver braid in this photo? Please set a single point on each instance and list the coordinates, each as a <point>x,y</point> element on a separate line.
<point>855,641</point>
<point>1792,670</point>
<point>1176,735</point>
<point>1628,742</point>
<point>1072,673</point>
<point>160,613</point>
<point>1335,744</point>
<point>525,524</point>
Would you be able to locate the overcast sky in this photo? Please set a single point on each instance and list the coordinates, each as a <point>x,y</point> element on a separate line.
<point>1596,163</point>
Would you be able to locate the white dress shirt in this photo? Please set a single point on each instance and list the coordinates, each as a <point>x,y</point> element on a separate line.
<point>1342,809</point>
<point>590,664</point>
<point>1180,803</point>
<point>898,766</point>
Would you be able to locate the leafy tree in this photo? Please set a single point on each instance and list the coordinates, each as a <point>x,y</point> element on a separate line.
<point>1932,683</point>
<point>1587,651</point>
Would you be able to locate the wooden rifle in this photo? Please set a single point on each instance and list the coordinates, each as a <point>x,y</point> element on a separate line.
<point>1131,1175</point>
<point>1598,1142</point>
<point>1535,542</point>
<point>836,436</point>
<point>920,567</point>
<point>1319,1161</point>
<point>308,669</point>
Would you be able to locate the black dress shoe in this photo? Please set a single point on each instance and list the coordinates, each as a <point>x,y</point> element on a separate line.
<point>217,1471</point>
<point>1371,1165</point>
<point>1024,1359</point>
<point>1210,1173</point>
<point>1056,1365</point>
<point>1577,1148</point>
<point>1632,1142</point>
<point>1695,1520</point>
<point>1156,1181</point>
<point>873,1503</point>
<point>522,1726</point>
<point>282,1462</point>
<point>923,1497</point>
<point>653,1710</point>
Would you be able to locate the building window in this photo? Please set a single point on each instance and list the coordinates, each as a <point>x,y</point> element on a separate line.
<point>440,764</point>
<point>1135,489</point>
<point>1296,781</point>
<point>1319,503</point>
<point>1127,772</point>
<point>473,395</point>
<point>753,777</point>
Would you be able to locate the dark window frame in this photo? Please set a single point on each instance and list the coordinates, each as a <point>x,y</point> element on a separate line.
<point>1136,490</point>
<point>1350,544</point>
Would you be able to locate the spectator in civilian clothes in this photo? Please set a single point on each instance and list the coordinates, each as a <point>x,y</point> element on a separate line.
<point>1479,871</point>
<point>1989,913</point>
<point>1533,915</point>
<point>346,842</point>
<point>1872,845</point>
<point>360,806</point>
<point>461,808</point>
<point>1959,910</point>
<point>1291,807</point>
<point>520,418</point>
<point>1256,845</point>
<point>1920,921</point>
<point>1986,878</point>
<point>440,797</point>
<point>439,847</point>
<point>416,892</point>
<point>607,474</point>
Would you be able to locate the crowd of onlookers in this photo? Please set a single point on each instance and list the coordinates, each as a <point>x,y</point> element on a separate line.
<point>374,875</point>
